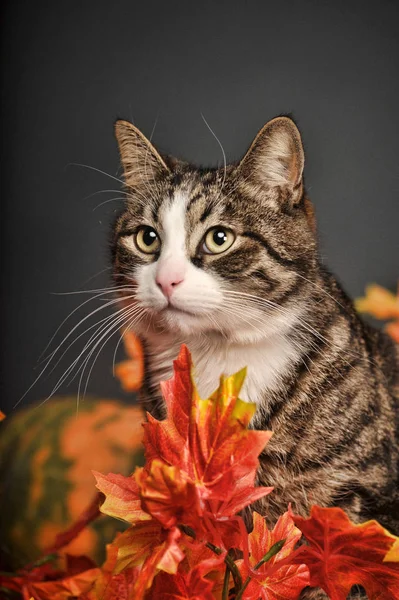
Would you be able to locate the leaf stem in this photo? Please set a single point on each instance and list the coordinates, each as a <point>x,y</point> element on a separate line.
<point>227,559</point>
<point>214,548</point>
<point>225,592</point>
<point>230,563</point>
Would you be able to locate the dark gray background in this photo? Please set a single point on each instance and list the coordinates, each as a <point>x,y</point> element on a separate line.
<point>70,68</point>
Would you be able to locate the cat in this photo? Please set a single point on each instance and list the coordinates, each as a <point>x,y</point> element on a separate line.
<point>226,261</point>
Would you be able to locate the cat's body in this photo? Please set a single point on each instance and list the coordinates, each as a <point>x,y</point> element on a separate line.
<point>226,261</point>
<point>332,408</point>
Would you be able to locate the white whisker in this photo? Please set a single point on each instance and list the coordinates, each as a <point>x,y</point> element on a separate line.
<point>98,323</point>
<point>109,200</point>
<point>102,192</point>
<point>102,293</point>
<point>97,170</point>
<point>132,322</point>
<point>98,336</point>
<point>223,153</point>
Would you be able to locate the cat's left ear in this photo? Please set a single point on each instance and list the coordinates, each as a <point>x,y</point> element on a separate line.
<point>276,158</point>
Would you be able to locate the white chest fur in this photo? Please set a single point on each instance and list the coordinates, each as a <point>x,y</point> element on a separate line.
<point>267,362</point>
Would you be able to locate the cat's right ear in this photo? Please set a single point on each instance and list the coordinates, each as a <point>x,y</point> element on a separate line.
<point>276,157</point>
<point>142,164</point>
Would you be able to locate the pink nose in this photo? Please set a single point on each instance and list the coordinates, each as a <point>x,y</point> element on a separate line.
<point>167,283</point>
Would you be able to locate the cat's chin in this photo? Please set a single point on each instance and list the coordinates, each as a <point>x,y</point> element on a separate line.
<point>187,324</point>
<point>184,321</point>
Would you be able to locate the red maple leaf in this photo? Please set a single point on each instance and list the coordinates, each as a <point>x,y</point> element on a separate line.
<point>209,441</point>
<point>182,586</point>
<point>87,583</point>
<point>44,582</point>
<point>341,555</point>
<point>275,579</point>
<point>150,548</point>
<point>199,577</point>
<point>111,586</point>
<point>169,495</point>
<point>65,588</point>
<point>201,462</point>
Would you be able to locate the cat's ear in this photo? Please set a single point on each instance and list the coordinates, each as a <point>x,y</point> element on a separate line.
<point>141,163</point>
<point>276,158</point>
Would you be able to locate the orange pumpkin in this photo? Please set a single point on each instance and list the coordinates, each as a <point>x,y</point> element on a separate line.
<point>47,454</point>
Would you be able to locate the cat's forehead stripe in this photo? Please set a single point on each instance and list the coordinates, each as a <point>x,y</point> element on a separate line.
<point>173,223</point>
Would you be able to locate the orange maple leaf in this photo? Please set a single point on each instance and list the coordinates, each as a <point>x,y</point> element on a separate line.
<point>151,548</point>
<point>95,584</point>
<point>168,495</point>
<point>392,329</point>
<point>110,585</point>
<point>130,372</point>
<point>122,500</point>
<point>43,582</point>
<point>341,555</point>
<point>65,588</point>
<point>147,545</point>
<point>379,302</point>
<point>276,578</point>
<point>209,439</point>
<point>201,461</point>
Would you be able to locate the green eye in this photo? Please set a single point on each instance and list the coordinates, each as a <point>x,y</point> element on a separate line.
<point>147,240</point>
<point>218,240</point>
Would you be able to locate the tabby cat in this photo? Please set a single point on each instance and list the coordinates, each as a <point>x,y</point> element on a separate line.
<point>226,261</point>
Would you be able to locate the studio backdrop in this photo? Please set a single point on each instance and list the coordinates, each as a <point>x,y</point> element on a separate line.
<point>70,69</point>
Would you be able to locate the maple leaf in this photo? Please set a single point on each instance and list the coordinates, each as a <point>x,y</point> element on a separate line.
<point>393,553</point>
<point>182,586</point>
<point>46,583</point>
<point>168,494</point>
<point>122,499</point>
<point>150,547</point>
<point>199,577</point>
<point>65,588</point>
<point>341,555</point>
<point>392,329</point>
<point>201,436</point>
<point>148,544</point>
<point>201,461</point>
<point>209,440</point>
<point>131,372</point>
<point>379,302</point>
<point>275,579</point>
<point>111,586</point>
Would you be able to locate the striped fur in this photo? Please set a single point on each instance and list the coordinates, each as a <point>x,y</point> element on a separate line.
<point>325,383</point>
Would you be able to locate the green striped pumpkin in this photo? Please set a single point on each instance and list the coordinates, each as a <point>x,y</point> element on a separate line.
<point>47,453</point>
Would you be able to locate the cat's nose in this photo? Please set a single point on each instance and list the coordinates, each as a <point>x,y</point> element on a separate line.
<point>168,283</point>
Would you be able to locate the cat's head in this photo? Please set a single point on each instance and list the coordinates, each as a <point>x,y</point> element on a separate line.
<point>224,251</point>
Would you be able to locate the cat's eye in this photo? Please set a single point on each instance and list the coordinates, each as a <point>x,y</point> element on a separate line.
<point>147,240</point>
<point>218,240</point>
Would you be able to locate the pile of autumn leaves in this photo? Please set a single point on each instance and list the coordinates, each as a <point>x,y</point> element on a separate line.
<point>185,540</point>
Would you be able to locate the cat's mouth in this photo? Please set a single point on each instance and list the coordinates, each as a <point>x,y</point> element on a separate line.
<point>175,310</point>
